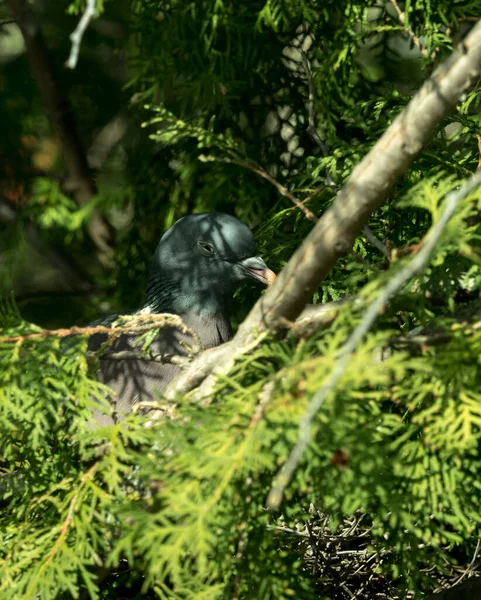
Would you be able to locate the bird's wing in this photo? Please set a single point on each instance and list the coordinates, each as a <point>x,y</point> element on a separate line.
<point>135,381</point>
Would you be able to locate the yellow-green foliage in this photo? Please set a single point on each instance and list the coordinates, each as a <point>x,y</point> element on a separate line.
<point>177,510</point>
<point>179,499</point>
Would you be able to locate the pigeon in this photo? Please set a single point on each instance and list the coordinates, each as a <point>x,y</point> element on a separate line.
<point>197,266</point>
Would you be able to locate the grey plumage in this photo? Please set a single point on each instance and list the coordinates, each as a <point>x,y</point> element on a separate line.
<point>198,264</point>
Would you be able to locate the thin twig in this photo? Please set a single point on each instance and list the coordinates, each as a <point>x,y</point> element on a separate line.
<point>281,188</point>
<point>289,530</point>
<point>408,29</point>
<point>316,192</point>
<point>471,564</point>
<point>435,339</point>
<point>135,325</point>
<point>77,35</point>
<point>64,530</point>
<point>398,281</point>
<point>372,239</point>
<point>171,359</point>
<point>311,117</point>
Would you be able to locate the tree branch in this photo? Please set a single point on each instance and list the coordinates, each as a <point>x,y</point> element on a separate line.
<point>77,35</point>
<point>398,281</point>
<point>311,115</point>
<point>79,180</point>
<point>247,164</point>
<point>108,137</point>
<point>366,190</point>
<point>373,240</point>
<point>135,324</point>
<point>409,30</point>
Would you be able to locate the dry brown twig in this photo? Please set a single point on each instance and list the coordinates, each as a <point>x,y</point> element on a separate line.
<point>282,189</point>
<point>135,324</point>
<point>340,559</point>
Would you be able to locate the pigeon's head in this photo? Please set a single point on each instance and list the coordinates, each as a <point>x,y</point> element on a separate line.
<point>201,260</point>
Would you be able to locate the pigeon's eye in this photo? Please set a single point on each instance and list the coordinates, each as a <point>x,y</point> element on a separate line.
<point>206,249</point>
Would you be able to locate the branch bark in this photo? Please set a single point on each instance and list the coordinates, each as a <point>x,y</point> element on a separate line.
<point>365,191</point>
<point>77,35</point>
<point>79,180</point>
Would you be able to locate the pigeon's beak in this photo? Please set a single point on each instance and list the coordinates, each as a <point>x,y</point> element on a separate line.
<point>257,269</point>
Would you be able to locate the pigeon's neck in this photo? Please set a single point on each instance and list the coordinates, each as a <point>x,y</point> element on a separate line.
<point>165,296</point>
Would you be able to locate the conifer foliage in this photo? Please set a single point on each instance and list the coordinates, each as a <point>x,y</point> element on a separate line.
<point>261,109</point>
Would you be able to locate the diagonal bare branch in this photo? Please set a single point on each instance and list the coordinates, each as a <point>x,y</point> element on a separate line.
<point>366,190</point>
